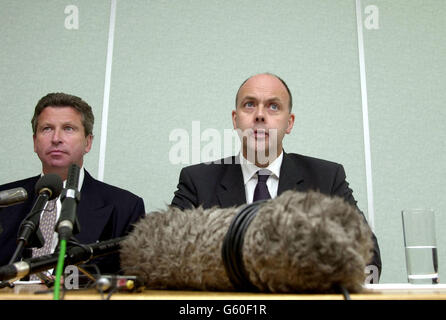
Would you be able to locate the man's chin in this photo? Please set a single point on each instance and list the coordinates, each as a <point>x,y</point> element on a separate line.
<point>57,166</point>
<point>260,156</point>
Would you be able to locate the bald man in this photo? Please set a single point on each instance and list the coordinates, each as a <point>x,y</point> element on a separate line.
<point>262,117</point>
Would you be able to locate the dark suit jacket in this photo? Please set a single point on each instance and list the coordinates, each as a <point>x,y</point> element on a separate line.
<point>104,212</point>
<point>221,184</point>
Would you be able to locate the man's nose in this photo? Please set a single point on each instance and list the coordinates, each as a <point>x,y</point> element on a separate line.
<point>56,136</point>
<point>260,114</point>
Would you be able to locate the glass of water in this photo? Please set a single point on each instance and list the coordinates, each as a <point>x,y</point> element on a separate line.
<point>421,246</point>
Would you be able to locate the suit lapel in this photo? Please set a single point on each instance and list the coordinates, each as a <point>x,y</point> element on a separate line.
<point>32,194</point>
<point>232,189</point>
<point>93,212</point>
<point>291,175</point>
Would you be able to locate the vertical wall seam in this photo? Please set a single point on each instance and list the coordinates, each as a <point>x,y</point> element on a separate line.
<point>365,116</point>
<point>106,99</point>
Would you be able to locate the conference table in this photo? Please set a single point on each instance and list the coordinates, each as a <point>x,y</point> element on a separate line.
<point>401,300</point>
<point>370,292</point>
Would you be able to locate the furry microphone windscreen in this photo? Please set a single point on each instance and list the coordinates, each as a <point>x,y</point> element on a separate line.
<point>297,242</point>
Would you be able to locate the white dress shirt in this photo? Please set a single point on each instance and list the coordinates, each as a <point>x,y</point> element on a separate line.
<point>249,171</point>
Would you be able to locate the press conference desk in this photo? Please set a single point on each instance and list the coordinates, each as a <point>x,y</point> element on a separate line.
<point>371,292</point>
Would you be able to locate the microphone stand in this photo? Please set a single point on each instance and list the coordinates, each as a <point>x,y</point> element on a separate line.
<point>29,229</point>
<point>70,198</point>
<point>47,187</point>
<point>77,254</point>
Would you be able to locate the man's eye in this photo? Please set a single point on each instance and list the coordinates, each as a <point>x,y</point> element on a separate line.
<point>249,104</point>
<point>69,129</point>
<point>46,129</point>
<point>274,106</point>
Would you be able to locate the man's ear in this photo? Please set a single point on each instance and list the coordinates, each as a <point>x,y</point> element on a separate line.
<point>34,142</point>
<point>290,123</point>
<point>234,119</point>
<point>88,143</point>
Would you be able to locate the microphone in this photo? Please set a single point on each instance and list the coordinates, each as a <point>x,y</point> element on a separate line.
<point>80,253</point>
<point>70,198</point>
<point>297,242</point>
<point>12,196</point>
<point>84,253</point>
<point>48,187</point>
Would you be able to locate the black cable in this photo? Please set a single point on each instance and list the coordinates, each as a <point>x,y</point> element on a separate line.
<point>112,291</point>
<point>232,248</point>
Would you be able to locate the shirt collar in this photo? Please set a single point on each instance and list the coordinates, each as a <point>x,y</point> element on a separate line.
<point>81,179</point>
<point>249,169</point>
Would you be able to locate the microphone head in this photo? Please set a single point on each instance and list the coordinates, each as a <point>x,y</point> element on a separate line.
<point>307,242</point>
<point>7,272</point>
<point>73,176</point>
<point>12,197</point>
<point>50,183</point>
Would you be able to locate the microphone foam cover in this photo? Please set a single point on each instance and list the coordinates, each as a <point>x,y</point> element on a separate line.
<point>307,242</point>
<point>50,181</point>
<point>297,242</point>
<point>177,249</point>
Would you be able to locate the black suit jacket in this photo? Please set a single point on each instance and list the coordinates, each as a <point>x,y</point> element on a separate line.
<point>221,184</point>
<point>104,212</point>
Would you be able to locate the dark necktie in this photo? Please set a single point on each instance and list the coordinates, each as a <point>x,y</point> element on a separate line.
<point>261,191</point>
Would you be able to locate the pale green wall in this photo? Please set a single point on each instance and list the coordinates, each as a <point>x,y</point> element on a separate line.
<point>175,62</point>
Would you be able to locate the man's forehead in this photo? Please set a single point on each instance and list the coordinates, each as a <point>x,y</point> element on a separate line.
<point>68,110</point>
<point>61,113</point>
<point>264,84</point>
